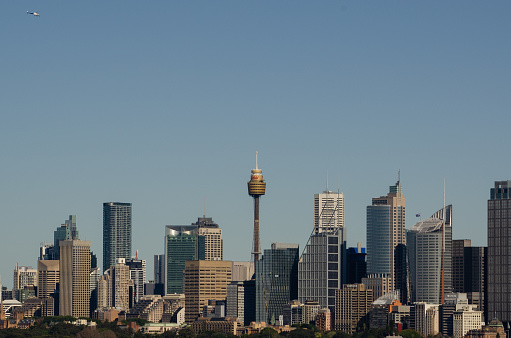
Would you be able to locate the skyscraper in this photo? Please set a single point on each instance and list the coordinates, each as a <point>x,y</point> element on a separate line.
<point>499,252</point>
<point>74,295</point>
<point>386,228</point>
<point>65,231</point>
<point>137,271</point>
<point>204,280</point>
<point>430,247</point>
<point>213,243</point>
<point>182,243</point>
<point>116,232</point>
<point>328,211</point>
<point>322,268</point>
<point>276,281</point>
<point>47,277</point>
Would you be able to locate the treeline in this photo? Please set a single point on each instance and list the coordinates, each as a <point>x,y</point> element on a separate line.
<point>57,327</point>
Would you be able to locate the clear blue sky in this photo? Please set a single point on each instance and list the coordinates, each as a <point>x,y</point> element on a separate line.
<point>164,103</point>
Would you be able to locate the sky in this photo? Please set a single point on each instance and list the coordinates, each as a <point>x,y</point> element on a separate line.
<point>164,103</point>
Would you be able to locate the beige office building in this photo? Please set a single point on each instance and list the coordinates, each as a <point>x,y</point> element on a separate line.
<point>74,278</point>
<point>204,280</point>
<point>47,277</point>
<point>352,305</point>
<point>23,276</point>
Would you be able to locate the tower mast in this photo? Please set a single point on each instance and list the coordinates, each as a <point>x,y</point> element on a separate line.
<point>256,188</point>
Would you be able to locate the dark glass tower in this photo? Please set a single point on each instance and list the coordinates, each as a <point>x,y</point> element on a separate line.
<point>276,281</point>
<point>116,232</point>
<point>499,252</point>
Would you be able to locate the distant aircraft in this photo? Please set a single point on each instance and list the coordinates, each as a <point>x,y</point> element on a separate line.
<point>33,13</point>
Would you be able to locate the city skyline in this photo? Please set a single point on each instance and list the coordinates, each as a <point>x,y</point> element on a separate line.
<point>121,104</point>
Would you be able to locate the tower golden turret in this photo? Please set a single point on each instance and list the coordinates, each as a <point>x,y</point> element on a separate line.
<point>256,188</point>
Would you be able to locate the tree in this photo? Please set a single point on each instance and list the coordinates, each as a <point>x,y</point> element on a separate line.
<point>268,332</point>
<point>187,332</point>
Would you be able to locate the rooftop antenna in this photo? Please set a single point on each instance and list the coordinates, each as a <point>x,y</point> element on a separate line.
<point>256,160</point>
<point>443,252</point>
<point>399,175</point>
<point>327,180</point>
<point>204,205</point>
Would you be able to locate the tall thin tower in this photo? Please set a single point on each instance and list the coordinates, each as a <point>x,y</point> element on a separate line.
<point>256,188</point>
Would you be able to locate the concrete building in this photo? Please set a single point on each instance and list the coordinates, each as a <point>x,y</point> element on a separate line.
<point>47,277</point>
<point>276,281</point>
<point>452,303</point>
<point>323,320</point>
<point>204,280</point>
<point>137,274</point>
<point>466,319</point>
<point>386,224</point>
<point>429,257</point>
<point>426,319</point>
<point>493,330</point>
<point>213,242</point>
<point>499,252</point>
<point>242,271</point>
<point>116,232</point>
<point>381,284</point>
<point>23,276</point>
<point>182,243</point>
<point>352,305</point>
<point>328,212</point>
<point>74,293</point>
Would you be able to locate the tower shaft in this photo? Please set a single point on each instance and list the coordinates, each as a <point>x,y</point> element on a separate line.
<point>256,251</point>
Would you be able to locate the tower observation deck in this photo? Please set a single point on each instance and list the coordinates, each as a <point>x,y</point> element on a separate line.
<point>256,188</point>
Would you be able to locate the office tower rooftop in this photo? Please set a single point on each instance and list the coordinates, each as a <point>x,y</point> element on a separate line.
<point>116,232</point>
<point>328,211</point>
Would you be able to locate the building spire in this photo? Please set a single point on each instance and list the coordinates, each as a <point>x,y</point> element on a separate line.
<point>256,159</point>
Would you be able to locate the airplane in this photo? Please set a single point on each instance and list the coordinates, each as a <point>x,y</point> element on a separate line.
<point>33,13</point>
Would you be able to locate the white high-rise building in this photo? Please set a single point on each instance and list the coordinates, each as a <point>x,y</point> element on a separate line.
<point>328,211</point>
<point>24,276</point>
<point>322,267</point>
<point>426,241</point>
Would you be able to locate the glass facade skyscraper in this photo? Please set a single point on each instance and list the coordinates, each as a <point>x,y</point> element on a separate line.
<point>116,232</point>
<point>182,243</point>
<point>386,228</point>
<point>276,281</point>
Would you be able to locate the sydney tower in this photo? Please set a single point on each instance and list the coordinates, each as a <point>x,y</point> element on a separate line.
<point>256,188</point>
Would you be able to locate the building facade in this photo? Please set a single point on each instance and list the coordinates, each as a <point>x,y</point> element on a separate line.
<point>74,288</point>
<point>47,277</point>
<point>276,275</point>
<point>213,242</point>
<point>322,267</point>
<point>386,228</point>
<point>499,252</point>
<point>352,306</point>
<point>116,232</point>
<point>182,243</point>
<point>204,281</point>
<point>429,256</point>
